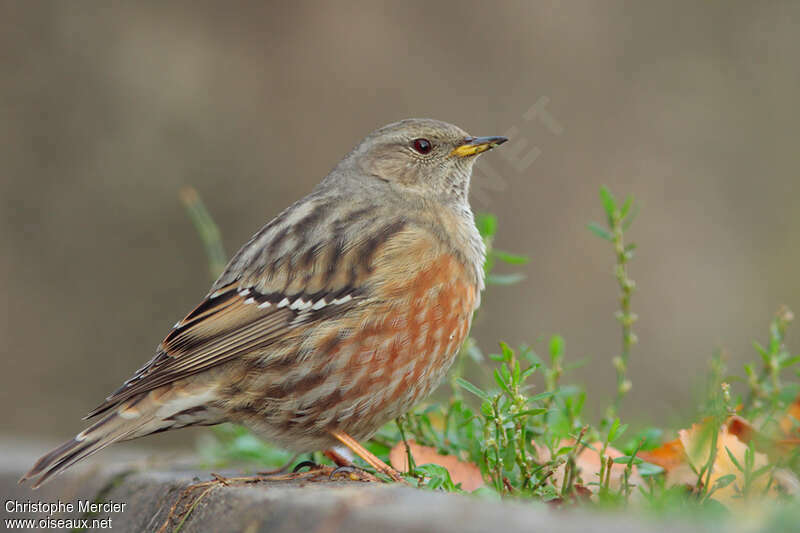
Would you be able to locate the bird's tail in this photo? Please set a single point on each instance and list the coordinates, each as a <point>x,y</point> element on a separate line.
<point>153,412</point>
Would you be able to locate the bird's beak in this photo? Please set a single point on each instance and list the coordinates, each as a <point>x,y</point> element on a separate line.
<point>477,145</point>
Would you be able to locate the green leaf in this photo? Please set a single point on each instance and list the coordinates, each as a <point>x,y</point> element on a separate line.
<point>504,279</point>
<point>508,353</point>
<point>631,218</point>
<point>761,471</point>
<point>516,372</point>
<point>439,477</point>
<point>609,203</point>
<point>790,361</point>
<point>626,459</point>
<point>564,450</point>
<point>649,469</point>
<point>647,439</point>
<point>750,457</point>
<point>486,492</point>
<point>541,396</point>
<point>528,371</point>
<point>600,231</point>
<point>575,404</point>
<point>762,351</point>
<point>486,224</point>
<point>530,412</point>
<point>466,385</point>
<point>508,453</point>
<point>488,265</point>
<point>724,481</point>
<point>511,259</point>
<point>206,228</point>
<point>505,373</point>
<point>556,347</point>
<point>500,382</point>
<point>612,431</point>
<point>431,408</point>
<point>626,206</point>
<point>733,460</point>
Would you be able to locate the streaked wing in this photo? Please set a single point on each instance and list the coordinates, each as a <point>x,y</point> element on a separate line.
<point>278,284</point>
<point>228,324</point>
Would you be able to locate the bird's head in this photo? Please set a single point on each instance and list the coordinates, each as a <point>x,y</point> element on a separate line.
<point>422,156</point>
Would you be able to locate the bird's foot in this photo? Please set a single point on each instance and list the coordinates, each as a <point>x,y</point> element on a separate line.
<point>368,457</point>
<point>352,473</point>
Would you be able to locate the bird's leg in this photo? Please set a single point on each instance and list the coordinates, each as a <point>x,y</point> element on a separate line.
<point>345,466</point>
<point>337,458</point>
<point>366,455</point>
<point>311,465</point>
<point>284,473</point>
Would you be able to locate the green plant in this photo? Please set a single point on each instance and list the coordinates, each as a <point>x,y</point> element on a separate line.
<point>525,428</point>
<point>619,218</point>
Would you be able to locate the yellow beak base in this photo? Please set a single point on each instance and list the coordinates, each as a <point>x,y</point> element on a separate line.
<point>477,145</point>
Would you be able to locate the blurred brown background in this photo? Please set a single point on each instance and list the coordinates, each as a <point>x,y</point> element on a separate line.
<point>106,110</point>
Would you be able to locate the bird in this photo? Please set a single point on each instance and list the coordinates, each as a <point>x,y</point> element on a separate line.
<point>337,316</point>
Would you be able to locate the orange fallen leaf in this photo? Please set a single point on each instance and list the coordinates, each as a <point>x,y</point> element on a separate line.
<point>683,457</point>
<point>668,456</point>
<point>790,424</point>
<point>468,474</point>
<point>697,444</point>
<point>740,427</point>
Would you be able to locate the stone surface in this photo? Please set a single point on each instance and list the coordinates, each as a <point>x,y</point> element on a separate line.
<point>150,492</point>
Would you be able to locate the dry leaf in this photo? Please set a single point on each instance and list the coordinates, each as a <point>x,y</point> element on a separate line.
<point>790,424</point>
<point>468,474</point>
<point>672,458</point>
<point>697,444</point>
<point>668,456</point>
<point>678,464</point>
<point>740,427</point>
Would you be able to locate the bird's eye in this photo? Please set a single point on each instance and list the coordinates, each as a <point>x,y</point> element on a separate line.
<point>422,146</point>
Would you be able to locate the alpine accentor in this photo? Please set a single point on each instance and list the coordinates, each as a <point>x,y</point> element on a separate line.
<point>336,317</point>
